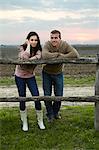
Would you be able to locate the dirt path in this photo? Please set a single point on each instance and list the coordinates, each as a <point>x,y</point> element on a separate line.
<point>68,91</point>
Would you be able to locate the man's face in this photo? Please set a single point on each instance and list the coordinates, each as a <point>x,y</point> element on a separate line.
<point>55,40</point>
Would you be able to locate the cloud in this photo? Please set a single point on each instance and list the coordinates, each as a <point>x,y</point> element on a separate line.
<point>52,4</point>
<point>21,14</point>
<point>19,17</point>
<point>47,3</point>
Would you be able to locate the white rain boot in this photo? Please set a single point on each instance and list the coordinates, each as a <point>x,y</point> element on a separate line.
<point>39,114</point>
<point>23,115</point>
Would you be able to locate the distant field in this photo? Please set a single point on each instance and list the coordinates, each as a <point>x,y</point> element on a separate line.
<point>70,69</point>
<point>87,50</point>
<point>11,51</point>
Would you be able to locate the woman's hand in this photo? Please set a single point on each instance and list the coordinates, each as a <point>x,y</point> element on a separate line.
<point>27,42</point>
<point>28,46</point>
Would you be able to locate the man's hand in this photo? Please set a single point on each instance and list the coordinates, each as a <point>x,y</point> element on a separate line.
<point>61,56</point>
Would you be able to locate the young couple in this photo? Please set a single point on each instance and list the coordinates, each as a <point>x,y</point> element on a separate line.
<point>52,75</point>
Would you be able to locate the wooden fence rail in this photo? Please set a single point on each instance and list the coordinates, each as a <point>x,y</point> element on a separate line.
<point>51,61</point>
<point>51,98</point>
<point>94,99</point>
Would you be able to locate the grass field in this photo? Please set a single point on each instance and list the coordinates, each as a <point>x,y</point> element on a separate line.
<point>75,131</point>
<point>68,80</point>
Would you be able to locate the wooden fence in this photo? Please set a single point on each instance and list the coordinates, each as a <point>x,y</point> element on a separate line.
<point>94,99</point>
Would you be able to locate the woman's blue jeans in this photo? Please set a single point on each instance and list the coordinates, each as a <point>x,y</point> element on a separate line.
<point>32,85</point>
<point>56,81</point>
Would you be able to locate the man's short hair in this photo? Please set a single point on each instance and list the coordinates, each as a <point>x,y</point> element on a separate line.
<point>56,32</point>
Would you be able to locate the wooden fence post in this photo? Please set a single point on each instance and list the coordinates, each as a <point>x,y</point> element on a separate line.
<point>96,121</point>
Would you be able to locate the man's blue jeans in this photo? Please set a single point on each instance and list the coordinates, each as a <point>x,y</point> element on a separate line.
<point>56,81</point>
<point>32,85</point>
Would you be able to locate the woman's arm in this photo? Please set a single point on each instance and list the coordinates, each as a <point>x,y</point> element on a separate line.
<point>37,56</point>
<point>24,54</point>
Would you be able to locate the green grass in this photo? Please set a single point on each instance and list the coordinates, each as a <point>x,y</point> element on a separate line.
<point>75,131</point>
<point>7,81</point>
<point>68,81</point>
<point>79,81</point>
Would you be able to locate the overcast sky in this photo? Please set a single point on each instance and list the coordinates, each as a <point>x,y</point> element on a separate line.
<point>78,20</point>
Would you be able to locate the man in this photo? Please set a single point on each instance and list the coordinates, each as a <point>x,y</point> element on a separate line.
<point>52,73</point>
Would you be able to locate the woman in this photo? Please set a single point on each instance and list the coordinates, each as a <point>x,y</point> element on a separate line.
<point>24,75</point>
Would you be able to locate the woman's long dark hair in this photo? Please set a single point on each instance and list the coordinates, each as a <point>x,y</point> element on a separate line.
<point>33,49</point>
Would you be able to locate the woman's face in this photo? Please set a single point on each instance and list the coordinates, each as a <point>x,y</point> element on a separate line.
<point>33,41</point>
